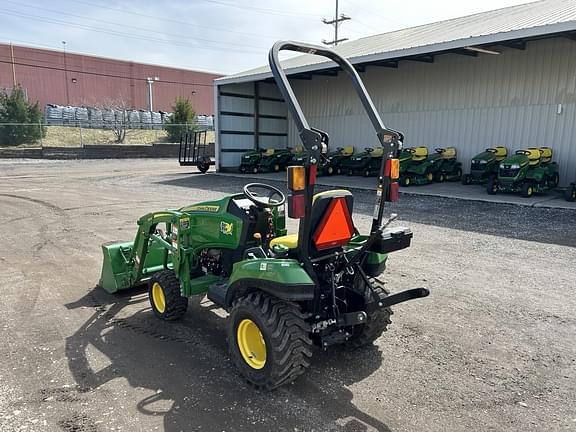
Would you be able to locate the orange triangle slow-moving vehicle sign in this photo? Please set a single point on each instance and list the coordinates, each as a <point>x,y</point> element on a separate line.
<point>336,228</point>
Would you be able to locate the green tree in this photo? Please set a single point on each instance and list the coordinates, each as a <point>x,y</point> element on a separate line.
<point>183,120</point>
<point>14,108</point>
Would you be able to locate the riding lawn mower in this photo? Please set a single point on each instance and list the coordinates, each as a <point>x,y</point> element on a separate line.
<point>570,193</point>
<point>366,163</point>
<point>274,160</point>
<point>332,163</point>
<point>528,171</point>
<point>485,165</point>
<point>284,292</point>
<point>250,161</point>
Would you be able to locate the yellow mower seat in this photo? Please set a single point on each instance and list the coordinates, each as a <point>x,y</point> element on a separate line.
<point>500,152</point>
<point>545,154</point>
<point>269,152</point>
<point>449,153</point>
<point>533,154</point>
<point>347,151</point>
<point>377,152</point>
<point>418,153</point>
<point>291,240</point>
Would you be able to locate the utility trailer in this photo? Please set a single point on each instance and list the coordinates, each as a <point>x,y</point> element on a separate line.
<point>195,151</point>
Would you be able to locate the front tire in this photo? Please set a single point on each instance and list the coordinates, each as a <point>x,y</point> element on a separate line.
<point>492,186</point>
<point>164,296</point>
<point>378,320</point>
<point>466,179</point>
<point>268,340</point>
<point>570,194</point>
<point>527,190</point>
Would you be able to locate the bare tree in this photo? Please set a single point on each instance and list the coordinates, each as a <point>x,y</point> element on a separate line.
<point>118,124</point>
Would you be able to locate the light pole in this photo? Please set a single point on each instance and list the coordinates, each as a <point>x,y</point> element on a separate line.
<point>66,74</point>
<point>150,81</point>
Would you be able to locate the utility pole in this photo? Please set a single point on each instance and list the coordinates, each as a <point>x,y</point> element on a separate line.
<point>150,81</point>
<point>335,22</point>
<point>66,74</point>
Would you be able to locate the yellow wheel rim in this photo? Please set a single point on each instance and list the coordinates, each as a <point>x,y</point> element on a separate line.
<point>251,344</point>
<point>158,297</point>
<point>429,176</point>
<point>574,194</point>
<point>530,191</point>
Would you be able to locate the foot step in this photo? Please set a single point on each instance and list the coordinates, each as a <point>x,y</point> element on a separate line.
<point>217,293</point>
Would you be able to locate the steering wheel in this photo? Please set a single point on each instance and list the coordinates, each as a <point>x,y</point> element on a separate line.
<point>266,201</point>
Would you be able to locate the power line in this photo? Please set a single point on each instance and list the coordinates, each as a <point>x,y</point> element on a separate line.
<point>117,33</point>
<point>123,25</point>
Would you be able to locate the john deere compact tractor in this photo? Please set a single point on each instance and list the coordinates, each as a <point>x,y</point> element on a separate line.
<point>283,292</point>
<point>333,162</point>
<point>366,163</point>
<point>528,171</point>
<point>485,165</point>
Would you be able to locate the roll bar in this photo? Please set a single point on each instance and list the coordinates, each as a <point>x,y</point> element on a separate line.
<point>311,137</point>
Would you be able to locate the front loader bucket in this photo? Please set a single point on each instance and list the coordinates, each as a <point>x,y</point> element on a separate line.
<point>115,271</point>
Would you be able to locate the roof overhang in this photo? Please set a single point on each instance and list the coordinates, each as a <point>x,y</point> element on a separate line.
<point>532,33</point>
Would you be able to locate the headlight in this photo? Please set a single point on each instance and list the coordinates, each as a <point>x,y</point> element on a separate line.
<point>482,162</point>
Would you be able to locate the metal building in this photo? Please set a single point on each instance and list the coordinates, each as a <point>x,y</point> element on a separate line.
<point>504,77</point>
<point>55,77</point>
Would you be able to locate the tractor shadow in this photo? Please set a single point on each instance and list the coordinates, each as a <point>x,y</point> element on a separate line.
<point>184,369</point>
<point>555,226</point>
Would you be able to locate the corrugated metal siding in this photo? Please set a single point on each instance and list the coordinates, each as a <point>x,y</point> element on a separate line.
<point>471,103</point>
<point>42,73</point>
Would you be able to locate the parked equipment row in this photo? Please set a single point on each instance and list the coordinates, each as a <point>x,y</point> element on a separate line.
<point>527,171</point>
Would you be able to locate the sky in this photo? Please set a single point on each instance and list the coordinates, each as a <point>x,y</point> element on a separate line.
<point>224,36</point>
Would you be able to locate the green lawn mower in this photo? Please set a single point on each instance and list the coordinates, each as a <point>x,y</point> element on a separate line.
<point>298,156</point>
<point>485,165</point>
<point>250,161</point>
<point>444,166</point>
<point>284,293</point>
<point>366,163</point>
<point>417,168</point>
<point>274,160</point>
<point>570,193</point>
<point>528,171</point>
<point>333,162</point>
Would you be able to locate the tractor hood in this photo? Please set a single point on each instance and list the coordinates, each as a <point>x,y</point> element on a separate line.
<point>515,159</point>
<point>485,156</point>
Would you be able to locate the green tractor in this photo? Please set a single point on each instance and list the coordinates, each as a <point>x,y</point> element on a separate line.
<point>284,293</point>
<point>528,171</point>
<point>570,193</point>
<point>444,166</point>
<point>250,161</point>
<point>485,165</point>
<point>366,163</point>
<point>274,160</point>
<point>333,162</point>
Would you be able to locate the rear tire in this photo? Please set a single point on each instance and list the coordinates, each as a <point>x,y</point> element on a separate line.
<point>555,180</point>
<point>492,186</point>
<point>466,179</point>
<point>164,296</point>
<point>243,169</point>
<point>367,173</point>
<point>276,167</point>
<point>268,340</point>
<point>378,321</point>
<point>527,190</point>
<point>406,181</point>
<point>255,170</point>
<point>439,178</point>
<point>203,167</point>
<point>330,170</point>
<point>570,194</point>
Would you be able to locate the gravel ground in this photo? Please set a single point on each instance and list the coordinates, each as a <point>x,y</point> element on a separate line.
<point>492,348</point>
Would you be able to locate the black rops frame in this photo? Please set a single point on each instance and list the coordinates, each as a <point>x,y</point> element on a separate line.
<point>312,139</point>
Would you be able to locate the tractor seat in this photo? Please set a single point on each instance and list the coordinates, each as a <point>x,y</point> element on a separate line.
<point>448,153</point>
<point>533,154</point>
<point>500,152</point>
<point>291,240</point>
<point>418,153</point>
<point>269,152</point>
<point>545,154</point>
<point>377,152</point>
<point>347,151</point>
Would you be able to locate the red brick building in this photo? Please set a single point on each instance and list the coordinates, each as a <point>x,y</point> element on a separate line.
<point>50,76</point>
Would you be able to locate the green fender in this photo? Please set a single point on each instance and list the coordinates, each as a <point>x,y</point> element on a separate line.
<point>282,278</point>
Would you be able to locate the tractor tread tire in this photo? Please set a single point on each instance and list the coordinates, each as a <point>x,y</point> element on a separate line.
<point>287,339</point>
<point>378,320</point>
<point>176,305</point>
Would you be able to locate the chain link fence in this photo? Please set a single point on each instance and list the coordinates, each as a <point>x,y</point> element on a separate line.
<point>27,135</point>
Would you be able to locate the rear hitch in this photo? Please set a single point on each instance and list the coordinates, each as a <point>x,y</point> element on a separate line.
<point>400,297</point>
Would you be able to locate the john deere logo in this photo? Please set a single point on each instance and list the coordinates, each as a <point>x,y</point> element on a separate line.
<point>226,228</point>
